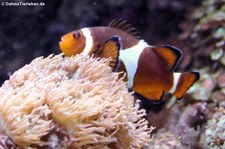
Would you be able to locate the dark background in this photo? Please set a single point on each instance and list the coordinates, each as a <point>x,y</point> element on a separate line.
<point>27,32</point>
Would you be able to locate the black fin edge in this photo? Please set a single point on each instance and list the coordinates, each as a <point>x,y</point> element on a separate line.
<point>178,53</point>
<point>197,74</point>
<point>117,39</point>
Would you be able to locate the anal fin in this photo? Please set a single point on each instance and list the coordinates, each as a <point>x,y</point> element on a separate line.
<point>111,49</point>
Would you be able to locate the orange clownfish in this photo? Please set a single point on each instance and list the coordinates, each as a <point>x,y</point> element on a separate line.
<point>149,69</point>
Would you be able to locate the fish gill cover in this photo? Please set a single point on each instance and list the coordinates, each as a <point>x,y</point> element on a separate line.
<point>76,102</point>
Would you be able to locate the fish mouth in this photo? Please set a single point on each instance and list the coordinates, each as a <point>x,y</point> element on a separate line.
<point>61,39</point>
<point>60,42</point>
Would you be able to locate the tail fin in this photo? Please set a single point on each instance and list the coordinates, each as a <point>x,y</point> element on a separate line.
<point>182,82</point>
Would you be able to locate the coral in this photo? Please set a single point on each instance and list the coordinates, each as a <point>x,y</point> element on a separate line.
<point>70,102</point>
<point>203,89</point>
<point>165,140</point>
<point>204,33</point>
<point>203,42</point>
<point>214,136</point>
<point>183,129</point>
<point>210,87</point>
<point>188,123</point>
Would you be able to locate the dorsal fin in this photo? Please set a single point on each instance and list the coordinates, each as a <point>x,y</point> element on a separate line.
<point>171,55</point>
<point>110,49</point>
<point>125,26</point>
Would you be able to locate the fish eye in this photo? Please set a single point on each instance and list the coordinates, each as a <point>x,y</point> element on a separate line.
<point>76,35</point>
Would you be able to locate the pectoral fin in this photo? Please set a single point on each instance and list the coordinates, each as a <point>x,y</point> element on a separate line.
<point>110,49</point>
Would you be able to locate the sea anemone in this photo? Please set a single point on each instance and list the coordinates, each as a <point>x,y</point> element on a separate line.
<point>75,102</point>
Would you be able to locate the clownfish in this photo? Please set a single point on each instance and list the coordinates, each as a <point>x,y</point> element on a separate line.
<point>149,69</point>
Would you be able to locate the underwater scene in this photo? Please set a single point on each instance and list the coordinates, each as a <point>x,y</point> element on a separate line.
<point>112,74</point>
